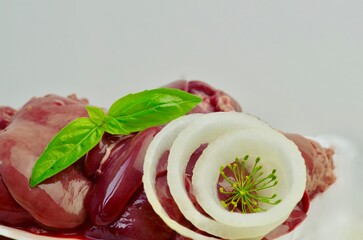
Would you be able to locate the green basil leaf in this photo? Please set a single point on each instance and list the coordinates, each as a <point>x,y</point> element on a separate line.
<point>69,145</point>
<point>96,114</point>
<point>149,108</point>
<point>132,113</point>
<point>112,126</point>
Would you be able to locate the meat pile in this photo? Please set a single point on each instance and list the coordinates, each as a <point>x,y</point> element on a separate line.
<point>101,196</point>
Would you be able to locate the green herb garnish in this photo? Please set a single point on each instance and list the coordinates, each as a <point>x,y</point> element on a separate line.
<point>243,192</point>
<point>132,113</point>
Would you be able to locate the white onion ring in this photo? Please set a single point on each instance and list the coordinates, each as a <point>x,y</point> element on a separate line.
<point>199,129</point>
<point>276,152</point>
<point>161,143</point>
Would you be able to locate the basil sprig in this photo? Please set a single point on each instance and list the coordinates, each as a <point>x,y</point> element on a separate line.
<point>132,113</point>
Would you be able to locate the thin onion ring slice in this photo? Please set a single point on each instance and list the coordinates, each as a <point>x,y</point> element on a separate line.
<point>183,136</point>
<point>275,151</point>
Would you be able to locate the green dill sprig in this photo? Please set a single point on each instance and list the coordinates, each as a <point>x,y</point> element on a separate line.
<point>244,190</point>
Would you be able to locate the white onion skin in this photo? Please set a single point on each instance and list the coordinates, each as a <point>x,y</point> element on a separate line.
<point>161,143</point>
<point>182,137</point>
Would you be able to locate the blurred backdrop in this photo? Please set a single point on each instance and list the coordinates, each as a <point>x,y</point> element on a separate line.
<point>299,65</point>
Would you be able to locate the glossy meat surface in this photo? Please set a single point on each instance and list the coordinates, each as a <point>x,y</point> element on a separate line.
<point>319,162</point>
<point>58,202</point>
<point>6,114</point>
<point>120,179</point>
<point>137,221</point>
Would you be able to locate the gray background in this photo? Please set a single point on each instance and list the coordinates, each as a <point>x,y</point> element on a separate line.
<point>296,64</point>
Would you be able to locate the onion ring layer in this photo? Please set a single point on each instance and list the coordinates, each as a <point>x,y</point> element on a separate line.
<point>220,130</point>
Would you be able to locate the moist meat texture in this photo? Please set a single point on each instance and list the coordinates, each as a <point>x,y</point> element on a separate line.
<point>319,164</point>
<point>58,203</point>
<point>101,196</point>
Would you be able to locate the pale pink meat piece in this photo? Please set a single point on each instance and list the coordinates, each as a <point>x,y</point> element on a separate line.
<point>11,213</point>
<point>319,164</point>
<point>214,100</point>
<point>6,114</point>
<point>58,202</point>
